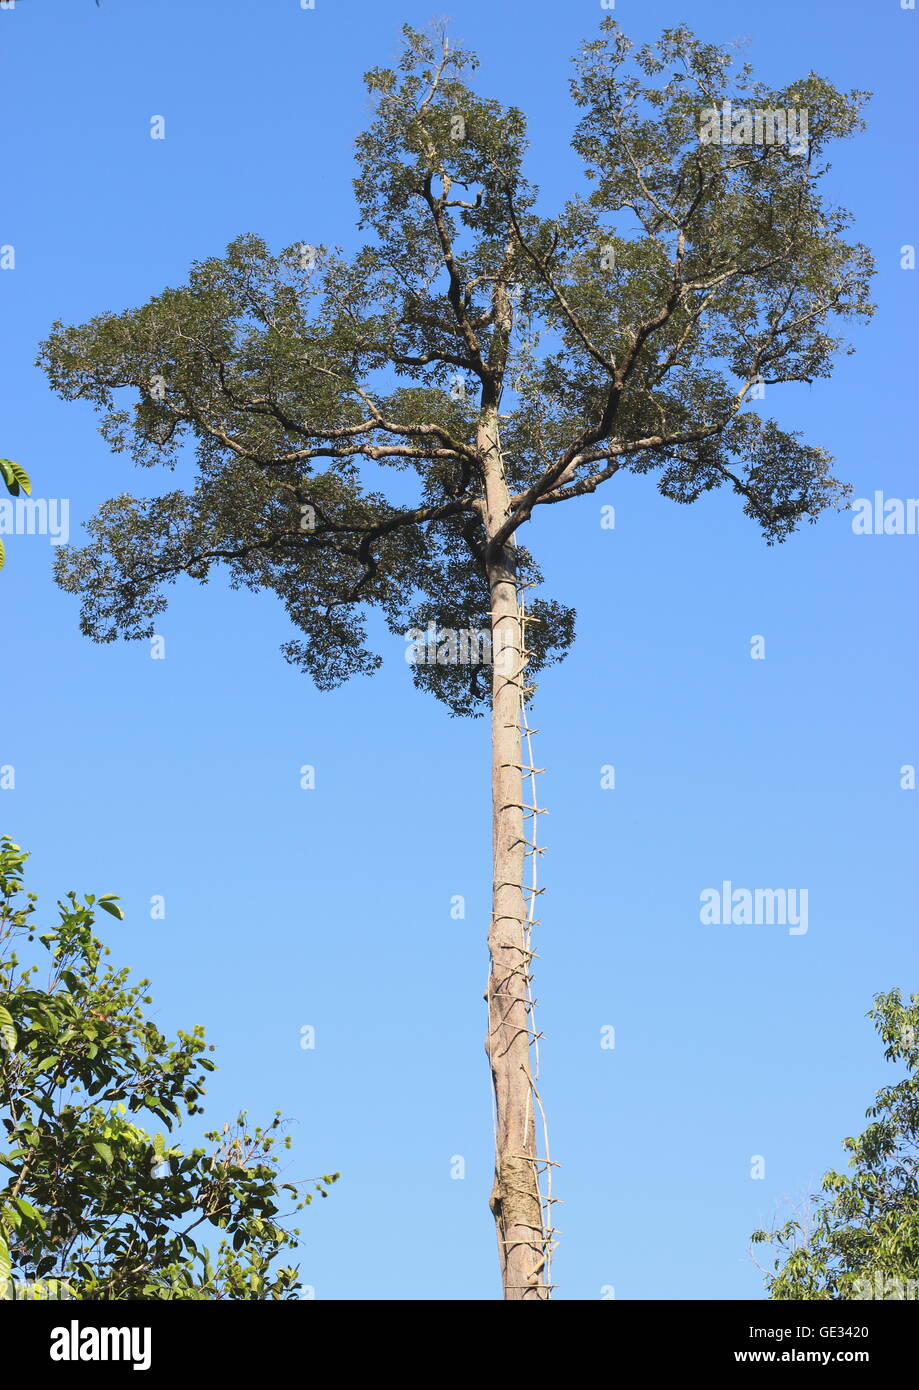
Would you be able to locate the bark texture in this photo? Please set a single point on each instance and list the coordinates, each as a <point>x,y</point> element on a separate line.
<point>515,1199</point>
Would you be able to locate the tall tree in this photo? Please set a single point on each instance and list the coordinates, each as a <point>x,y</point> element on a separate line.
<point>509,361</point>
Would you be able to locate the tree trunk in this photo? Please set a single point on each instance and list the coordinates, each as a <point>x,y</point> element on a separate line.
<point>515,1199</point>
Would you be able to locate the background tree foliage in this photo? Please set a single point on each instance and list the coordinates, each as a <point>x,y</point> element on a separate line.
<point>92,1200</point>
<point>861,1239</point>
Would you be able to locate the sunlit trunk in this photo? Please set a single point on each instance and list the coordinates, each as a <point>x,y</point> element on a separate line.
<point>515,1199</point>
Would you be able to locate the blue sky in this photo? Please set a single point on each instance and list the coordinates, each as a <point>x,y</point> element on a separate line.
<point>331,907</point>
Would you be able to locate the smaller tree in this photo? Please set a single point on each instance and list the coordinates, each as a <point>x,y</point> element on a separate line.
<point>95,1207</point>
<point>862,1238</point>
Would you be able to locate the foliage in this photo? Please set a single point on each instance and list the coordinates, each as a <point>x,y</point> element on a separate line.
<point>862,1238</point>
<point>631,331</point>
<point>16,480</point>
<point>92,1199</point>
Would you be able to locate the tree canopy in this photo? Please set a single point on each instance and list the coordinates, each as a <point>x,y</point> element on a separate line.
<point>632,330</point>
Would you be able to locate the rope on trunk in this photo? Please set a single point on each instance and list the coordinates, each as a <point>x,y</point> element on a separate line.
<point>532,811</point>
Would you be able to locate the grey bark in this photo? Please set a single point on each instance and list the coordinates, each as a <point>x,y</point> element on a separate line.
<point>515,1199</point>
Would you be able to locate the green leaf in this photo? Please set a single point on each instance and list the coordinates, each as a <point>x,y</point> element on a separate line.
<point>5,1264</point>
<point>2,555</point>
<point>29,1212</point>
<point>109,902</point>
<point>7,1030</point>
<point>105,1153</point>
<point>15,477</point>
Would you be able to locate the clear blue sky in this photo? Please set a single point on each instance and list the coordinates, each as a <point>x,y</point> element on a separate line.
<point>331,907</point>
